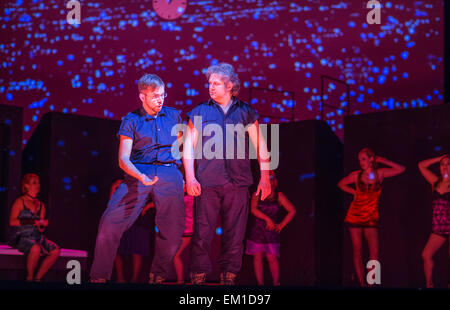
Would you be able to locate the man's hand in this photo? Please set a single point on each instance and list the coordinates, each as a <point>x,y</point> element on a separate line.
<point>193,188</point>
<point>264,188</point>
<point>147,181</point>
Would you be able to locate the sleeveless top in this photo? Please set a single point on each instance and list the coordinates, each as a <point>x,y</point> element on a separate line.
<point>257,228</point>
<point>261,240</point>
<point>363,210</point>
<point>440,223</point>
<point>26,235</point>
<point>27,217</point>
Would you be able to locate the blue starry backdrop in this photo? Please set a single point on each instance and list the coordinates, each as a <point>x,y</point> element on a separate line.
<point>279,48</point>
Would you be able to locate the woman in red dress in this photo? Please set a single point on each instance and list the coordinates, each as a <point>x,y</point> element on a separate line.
<point>363,216</point>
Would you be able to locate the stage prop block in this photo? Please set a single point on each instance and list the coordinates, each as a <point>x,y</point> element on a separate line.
<point>10,162</point>
<point>309,169</point>
<point>76,158</point>
<point>13,264</point>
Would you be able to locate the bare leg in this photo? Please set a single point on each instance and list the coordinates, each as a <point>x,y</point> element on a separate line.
<point>258,267</point>
<point>433,244</point>
<point>371,235</point>
<point>178,262</point>
<point>137,263</point>
<point>47,263</point>
<point>32,260</point>
<point>274,268</point>
<point>118,263</point>
<point>356,235</point>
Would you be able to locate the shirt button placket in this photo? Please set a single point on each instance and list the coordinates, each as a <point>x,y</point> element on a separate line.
<point>156,136</point>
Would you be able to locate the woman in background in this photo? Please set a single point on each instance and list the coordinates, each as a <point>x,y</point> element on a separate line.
<point>440,224</point>
<point>363,216</point>
<point>264,230</point>
<point>27,224</point>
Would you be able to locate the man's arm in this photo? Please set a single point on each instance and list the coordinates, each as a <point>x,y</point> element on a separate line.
<point>192,186</point>
<point>126,165</point>
<point>263,158</point>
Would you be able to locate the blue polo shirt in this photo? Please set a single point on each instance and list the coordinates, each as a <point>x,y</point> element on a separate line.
<point>152,139</point>
<point>216,172</point>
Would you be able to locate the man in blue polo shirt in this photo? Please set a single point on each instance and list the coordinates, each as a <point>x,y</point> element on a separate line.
<point>151,172</point>
<point>222,175</point>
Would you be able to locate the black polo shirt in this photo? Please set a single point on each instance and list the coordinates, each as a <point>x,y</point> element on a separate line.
<point>152,139</point>
<point>216,172</point>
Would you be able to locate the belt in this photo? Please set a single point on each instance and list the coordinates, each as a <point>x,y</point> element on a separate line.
<point>157,163</point>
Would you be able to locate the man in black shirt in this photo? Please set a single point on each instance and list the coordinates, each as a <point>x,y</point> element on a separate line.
<point>221,176</point>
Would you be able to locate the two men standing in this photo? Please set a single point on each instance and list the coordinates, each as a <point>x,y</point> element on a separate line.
<point>219,184</point>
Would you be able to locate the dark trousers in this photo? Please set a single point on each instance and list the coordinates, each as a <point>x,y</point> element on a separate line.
<point>124,208</point>
<point>232,203</point>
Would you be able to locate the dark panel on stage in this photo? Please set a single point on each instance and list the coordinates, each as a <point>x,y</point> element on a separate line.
<point>405,137</point>
<point>10,162</point>
<point>447,52</point>
<point>76,158</point>
<point>309,170</point>
<point>4,172</point>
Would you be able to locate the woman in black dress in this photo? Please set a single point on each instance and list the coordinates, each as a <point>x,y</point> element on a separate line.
<point>263,239</point>
<point>440,224</point>
<point>27,224</point>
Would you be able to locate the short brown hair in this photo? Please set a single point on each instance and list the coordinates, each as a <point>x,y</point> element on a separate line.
<point>26,180</point>
<point>226,71</point>
<point>151,81</point>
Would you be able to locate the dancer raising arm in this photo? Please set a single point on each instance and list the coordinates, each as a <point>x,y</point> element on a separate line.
<point>363,216</point>
<point>441,211</point>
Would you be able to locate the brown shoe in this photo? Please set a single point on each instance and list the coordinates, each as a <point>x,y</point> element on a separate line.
<point>153,279</point>
<point>198,278</point>
<point>227,278</point>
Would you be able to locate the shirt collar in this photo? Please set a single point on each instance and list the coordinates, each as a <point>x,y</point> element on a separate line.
<point>234,100</point>
<point>160,113</point>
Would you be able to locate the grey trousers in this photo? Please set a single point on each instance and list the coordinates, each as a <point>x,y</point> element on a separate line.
<point>125,207</point>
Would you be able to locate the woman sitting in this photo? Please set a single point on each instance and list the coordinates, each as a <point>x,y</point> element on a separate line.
<point>27,224</point>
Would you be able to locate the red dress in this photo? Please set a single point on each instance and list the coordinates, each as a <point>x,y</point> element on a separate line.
<point>363,211</point>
